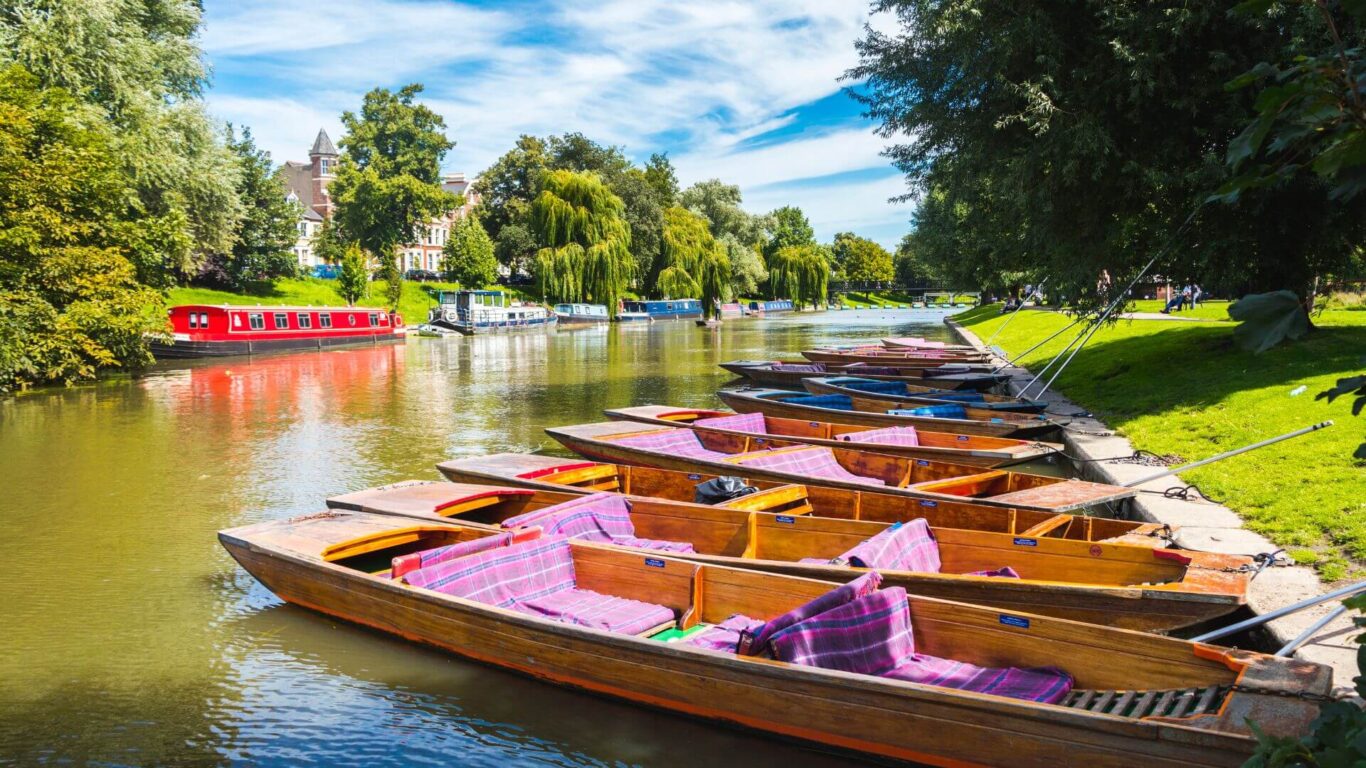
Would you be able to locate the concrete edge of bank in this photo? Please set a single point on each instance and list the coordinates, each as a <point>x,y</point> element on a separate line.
<point>1202,525</point>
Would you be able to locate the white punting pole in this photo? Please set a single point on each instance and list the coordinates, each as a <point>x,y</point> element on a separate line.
<point>1051,337</point>
<point>1234,452</point>
<point>1255,621</point>
<point>1032,294</point>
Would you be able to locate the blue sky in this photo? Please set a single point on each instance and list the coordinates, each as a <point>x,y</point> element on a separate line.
<point>745,92</point>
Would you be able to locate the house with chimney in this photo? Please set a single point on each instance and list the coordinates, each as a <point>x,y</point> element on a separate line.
<point>308,184</point>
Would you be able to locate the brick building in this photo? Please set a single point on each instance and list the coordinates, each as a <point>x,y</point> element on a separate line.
<point>308,184</point>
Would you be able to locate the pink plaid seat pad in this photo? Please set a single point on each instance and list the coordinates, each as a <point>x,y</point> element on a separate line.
<point>679,441</point>
<point>903,436</point>
<point>900,547</point>
<point>813,462</point>
<point>740,422</point>
<point>586,608</point>
<point>724,636</point>
<point>450,552</point>
<point>600,517</point>
<point>761,635</point>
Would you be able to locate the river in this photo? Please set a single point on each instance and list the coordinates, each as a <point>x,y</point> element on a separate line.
<point>131,638</point>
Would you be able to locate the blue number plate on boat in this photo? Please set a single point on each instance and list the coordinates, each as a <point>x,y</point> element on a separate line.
<point>928,503</point>
<point>963,438</point>
<point>922,462</point>
<point>694,477</point>
<point>1015,621</point>
<point>654,563</point>
<point>1026,543</point>
<point>786,519</point>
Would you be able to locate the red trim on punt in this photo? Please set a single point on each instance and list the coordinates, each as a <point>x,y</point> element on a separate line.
<point>1167,554</point>
<point>558,468</point>
<point>484,494</point>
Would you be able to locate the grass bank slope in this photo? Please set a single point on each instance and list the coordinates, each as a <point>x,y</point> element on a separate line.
<point>1185,389</point>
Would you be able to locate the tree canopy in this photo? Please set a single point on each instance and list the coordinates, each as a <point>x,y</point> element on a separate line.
<point>860,259</point>
<point>694,264</point>
<point>468,257</point>
<point>800,273</point>
<point>587,253</point>
<point>262,248</point>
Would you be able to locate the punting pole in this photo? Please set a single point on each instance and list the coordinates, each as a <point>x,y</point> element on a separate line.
<point>1032,294</point>
<point>1289,648</point>
<point>1256,621</point>
<point>1058,356</point>
<point>1234,452</point>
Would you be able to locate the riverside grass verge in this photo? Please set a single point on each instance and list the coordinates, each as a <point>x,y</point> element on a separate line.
<point>1186,389</point>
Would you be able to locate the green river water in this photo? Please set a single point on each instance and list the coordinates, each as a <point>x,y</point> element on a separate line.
<point>131,638</point>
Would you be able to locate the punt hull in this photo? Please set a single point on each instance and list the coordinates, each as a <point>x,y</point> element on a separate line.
<point>824,386</point>
<point>895,361</point>
<point>764,373</point>
<point>189,350</point>
<point>848,712</point>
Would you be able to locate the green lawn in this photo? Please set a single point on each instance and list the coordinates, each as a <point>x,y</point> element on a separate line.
<point>862,300</point>
<point>418,298</point>
<point>1185,389</point>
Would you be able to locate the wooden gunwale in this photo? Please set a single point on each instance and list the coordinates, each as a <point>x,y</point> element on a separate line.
<point>892,360</point>
<point>763,372</point>
<point>889,718</point>
<point>827,385</point>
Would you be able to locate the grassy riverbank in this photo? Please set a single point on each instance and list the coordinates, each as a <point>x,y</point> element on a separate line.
<point>418,298</point>
<point>1183,388</point>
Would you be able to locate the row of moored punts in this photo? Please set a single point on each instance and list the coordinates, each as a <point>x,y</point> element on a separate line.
<point>841,572</point>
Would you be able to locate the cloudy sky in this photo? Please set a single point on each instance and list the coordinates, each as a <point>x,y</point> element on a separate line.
<point>743,91</point>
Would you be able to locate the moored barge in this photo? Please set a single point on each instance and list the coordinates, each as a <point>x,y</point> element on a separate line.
<point>202,330</point>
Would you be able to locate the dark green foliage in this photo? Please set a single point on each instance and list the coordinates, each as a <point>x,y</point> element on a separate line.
<point>468,256</point>
<point>788,228</point>
<point>267,231</point>
<point>508,186</point>
<point>587,255</point>
<point>1267,319</point>
<point>1352,385</point>
<point>353,279</point>
<point>660,175</point>
<point>693,263</point>
<point>860,259</point>
<point>516,247</point>
<point>388,183</point>
<point>70,301</point>
<point>800,273</point>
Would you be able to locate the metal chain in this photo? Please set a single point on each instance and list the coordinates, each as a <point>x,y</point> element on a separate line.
<point>1305,695</point>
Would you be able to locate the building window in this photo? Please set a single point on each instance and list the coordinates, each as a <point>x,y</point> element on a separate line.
<point>281,320</point>
<point>305,321</point>
<point>324,320</point>
<point>324,165</point>
<point>258,321</point>
<point>374,319</point>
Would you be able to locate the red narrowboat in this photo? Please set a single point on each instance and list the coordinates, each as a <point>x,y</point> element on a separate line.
<point>201,330</point>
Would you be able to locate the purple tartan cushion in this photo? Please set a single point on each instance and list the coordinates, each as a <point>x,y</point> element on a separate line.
<point>677,440</point>
<point>1006,573</point>
<point>877,370</point>
<point>900,547</point>
<point>591,609</point>
<point>740,422</point>
<point>800,367</point>
<point>656,544</point>
<point>417,560</point>
<point>757,641</point>
<point>724,636</point>
<point>505,575</point>
<point>812,462</point>
<point>870,635</point>
<point>1046,685</point>
<point>903,436</point>
<point>599,517</point>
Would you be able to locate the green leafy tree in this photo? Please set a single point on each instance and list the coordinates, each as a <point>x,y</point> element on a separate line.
<point>747,272</point>
<point>468,256</point>
<point>516,246</point>
<point>695,264</point>
<point>788,229</point>
<point>662,178</point>
<point>388,184</point>
<point>353,279</point>
<point>907,266</point>
<point>587,254</point>
<point>70,301</point>
<point>138,64</point>
<point>861,259</point>
<point>268,230</point>
<point>507,187</point>
<point>328,243</point>
<point>800,273</point>
<point>719,204</point>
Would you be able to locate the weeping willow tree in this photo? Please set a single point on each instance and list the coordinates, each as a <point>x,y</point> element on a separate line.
<point>585,254</point>
<point>800,273</point>
<point>694,263</point>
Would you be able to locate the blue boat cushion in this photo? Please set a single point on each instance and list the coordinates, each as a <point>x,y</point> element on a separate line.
<point>934,411</point>
<point>836,402</point>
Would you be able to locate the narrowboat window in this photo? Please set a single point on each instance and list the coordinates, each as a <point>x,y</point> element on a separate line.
<point>236,321</point>
<point>194,320</point>
<point>203,319</point>
<point>324,320</point>
<point>374,319</point>
<point>258,321</point>
<point>305,320</point>
<point>281,320</point>
<point>352,318</point>
<point>668,307</point>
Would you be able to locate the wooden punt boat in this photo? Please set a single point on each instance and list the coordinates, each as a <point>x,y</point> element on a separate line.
<point>918,342</point>
<point>528,470</point>
<point>683,449</point>
<point>896,391</point>
<point>1118,585</point>
<point>888,358</point>
<point>1122,698</point>
<point>960,354</point>
<point>776,432</point>
<point>789,373</point>
<point>870,412</point>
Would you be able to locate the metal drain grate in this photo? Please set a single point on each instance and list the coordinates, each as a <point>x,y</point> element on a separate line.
<point>1181,702</point>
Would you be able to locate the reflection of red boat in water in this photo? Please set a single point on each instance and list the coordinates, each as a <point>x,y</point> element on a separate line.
<point>201,330</point>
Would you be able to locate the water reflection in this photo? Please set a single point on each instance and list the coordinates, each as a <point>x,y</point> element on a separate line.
<point>131,638</point>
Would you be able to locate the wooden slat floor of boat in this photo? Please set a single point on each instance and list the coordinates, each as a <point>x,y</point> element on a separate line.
<point>1181,702</point>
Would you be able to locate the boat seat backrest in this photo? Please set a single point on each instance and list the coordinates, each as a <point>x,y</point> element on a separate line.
<point>934,411</point>
<point>598,516</point>
<point>809,462</point>
<point>405,564</point>
<point>739,422</point>
<point>870,635</point>
<point>756,642</point>
<point>800,367</point>
<point>835,402</point>
<point>676,440</point>
<point>877,370</point>
<point>903,436</point>
<point>874,385</point>
<point>900,547</point>
<point>504,575</point>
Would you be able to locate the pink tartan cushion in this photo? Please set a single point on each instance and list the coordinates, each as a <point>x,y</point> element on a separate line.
<point>903,436</point>
<point>740,422</point>
<point>586,608</point>
<point>408,563</point>
<point>1046,685</point>
<point>661,545</point>
<point>812,462</point>
<point>901,547</point>
<point>600,517</point>
<point>678,441</point>
<point>724,636</point>
<point>869,635</point>
<point>505,575</point>
<point>757,642</point>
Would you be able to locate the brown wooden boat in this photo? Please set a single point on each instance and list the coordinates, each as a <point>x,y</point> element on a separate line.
<point>777,432</point>
<point>789,373</point>
<point>916,342</point>
<point>870,412</point>
<point>958,353</point>
<point>1119,585</point>
<point>900,392</point>
<point>891,359</point>
<point>683,449</point>
<point>1134,698</point>
<point>539,472</point>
